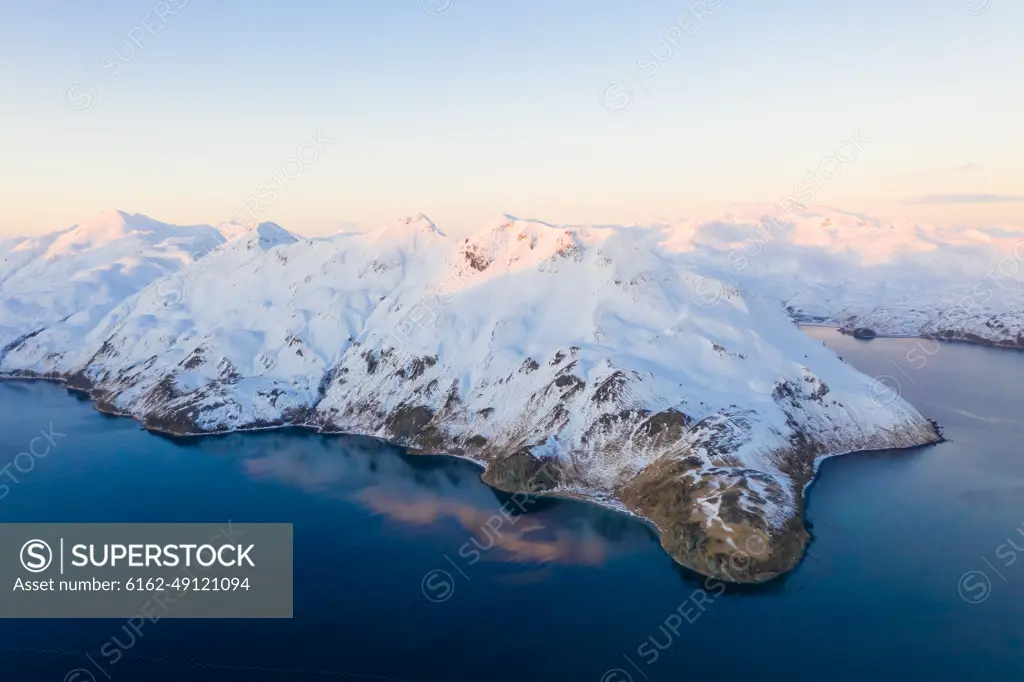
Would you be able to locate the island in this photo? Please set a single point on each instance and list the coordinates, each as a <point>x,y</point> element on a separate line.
<point>862,333</point>
<point>590,363</point>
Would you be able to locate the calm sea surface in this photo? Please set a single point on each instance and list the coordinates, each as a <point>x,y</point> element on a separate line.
<point>406,569</point>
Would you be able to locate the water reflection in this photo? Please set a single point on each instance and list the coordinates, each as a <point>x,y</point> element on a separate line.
<point>428,492</point>
<point>535,538</point>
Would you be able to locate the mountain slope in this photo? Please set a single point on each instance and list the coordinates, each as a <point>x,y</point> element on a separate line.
<point>72,279</point>
<point>849,270</point>
<point>580,362</point>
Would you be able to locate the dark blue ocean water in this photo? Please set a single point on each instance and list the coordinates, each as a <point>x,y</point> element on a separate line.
<point>390,584</point>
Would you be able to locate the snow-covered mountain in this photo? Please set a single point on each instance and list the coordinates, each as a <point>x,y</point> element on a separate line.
<point>849,270</point>
<point>76,276</point>
<point>584,362</point>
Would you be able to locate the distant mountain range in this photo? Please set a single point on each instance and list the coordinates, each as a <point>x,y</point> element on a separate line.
<point>849,270</point>
<point>653,369</point>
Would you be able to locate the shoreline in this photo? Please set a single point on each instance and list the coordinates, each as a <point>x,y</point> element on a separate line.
<point>939,336</point>
<point>793,537</point>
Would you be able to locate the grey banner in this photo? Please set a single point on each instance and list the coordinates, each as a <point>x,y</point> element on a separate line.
<point>146,570</point>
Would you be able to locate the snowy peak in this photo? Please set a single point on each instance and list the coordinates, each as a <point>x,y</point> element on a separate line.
<point>113,224</point>
<point>413,227</point>
<point>107,227</point>
<point>412,232</point>
<point>420,223</point>
<point>80,274</point>
<point>265,236</point>
<point>232,229</point>
<point>120,231</point>
<point>270,235</point>
<point>513,243</point>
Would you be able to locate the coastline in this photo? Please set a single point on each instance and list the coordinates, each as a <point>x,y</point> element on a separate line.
<point>945,337</point>
<point>777,553</point>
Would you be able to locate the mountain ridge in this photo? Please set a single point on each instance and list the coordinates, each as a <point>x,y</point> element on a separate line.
<point>570,361</point>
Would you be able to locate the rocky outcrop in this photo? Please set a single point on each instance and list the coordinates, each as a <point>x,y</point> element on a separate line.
<point>865,333</point>
<point>994,341</point>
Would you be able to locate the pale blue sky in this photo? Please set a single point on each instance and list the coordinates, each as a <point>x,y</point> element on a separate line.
<point>500,106</point>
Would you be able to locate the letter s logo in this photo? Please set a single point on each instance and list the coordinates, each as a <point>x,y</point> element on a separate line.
<point>36,556</point>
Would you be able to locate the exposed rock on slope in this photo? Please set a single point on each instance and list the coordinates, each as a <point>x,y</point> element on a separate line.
<point>570,361</point>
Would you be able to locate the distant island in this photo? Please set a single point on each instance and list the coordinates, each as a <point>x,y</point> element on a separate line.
<point>860,332</point>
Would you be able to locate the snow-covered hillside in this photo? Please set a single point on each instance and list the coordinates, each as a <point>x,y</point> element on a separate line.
<point>849,270</point>
<point>583,362</point>
<point>79,274</point>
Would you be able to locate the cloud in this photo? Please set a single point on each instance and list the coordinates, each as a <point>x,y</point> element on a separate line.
<point>967,168</point>
<point>965,198</point>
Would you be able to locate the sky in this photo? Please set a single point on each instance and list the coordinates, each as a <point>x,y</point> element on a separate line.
<point>324,115</point>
